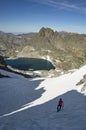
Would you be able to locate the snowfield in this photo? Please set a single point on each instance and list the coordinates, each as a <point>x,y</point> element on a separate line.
<point>30,104</point>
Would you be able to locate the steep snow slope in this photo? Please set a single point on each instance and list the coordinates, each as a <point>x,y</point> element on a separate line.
<point>30,104</point>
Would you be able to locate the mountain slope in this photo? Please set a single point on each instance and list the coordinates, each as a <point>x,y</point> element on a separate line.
<point>31,103</point>
<point>10,44</point>
<point>66,50</point>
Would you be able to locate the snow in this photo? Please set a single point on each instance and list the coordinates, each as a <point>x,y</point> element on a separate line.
<point>30,104</point>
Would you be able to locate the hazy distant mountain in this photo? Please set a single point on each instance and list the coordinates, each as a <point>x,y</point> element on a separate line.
<point>10,43</point>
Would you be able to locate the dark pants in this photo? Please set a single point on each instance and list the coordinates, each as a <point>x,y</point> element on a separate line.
<point>59,107</point>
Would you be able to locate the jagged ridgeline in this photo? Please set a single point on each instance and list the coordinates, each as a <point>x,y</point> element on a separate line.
<point>65,50</point>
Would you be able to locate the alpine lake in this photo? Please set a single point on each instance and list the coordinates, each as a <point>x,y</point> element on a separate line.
<point>27,64</point>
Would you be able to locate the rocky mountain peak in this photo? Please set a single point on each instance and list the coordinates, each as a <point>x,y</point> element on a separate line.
<point>46,32</point>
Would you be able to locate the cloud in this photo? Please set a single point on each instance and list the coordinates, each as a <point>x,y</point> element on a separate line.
<point>65,4</point>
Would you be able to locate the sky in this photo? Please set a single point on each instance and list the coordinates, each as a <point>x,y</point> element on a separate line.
<point>25,16</point>
<point>30,104</point>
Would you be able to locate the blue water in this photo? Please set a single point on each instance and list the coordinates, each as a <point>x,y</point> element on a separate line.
<point>30,64</point>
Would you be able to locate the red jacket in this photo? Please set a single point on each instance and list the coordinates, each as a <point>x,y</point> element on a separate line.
<point>60,103</point>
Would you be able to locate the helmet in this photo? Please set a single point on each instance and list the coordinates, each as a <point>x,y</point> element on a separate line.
<point>60,99</point>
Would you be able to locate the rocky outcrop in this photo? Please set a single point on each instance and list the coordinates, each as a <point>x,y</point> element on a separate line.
<point>3,66</point>
<point>2,62</point>
<point>82,81</point>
